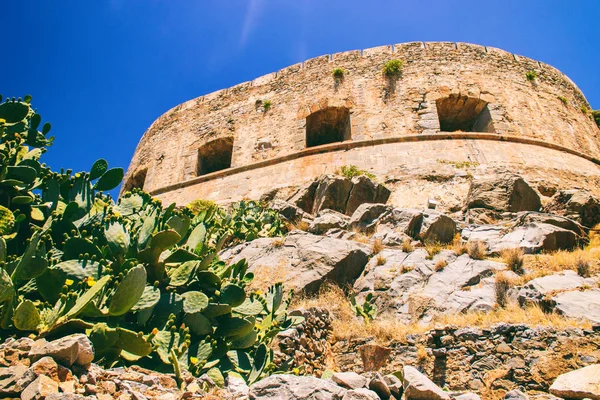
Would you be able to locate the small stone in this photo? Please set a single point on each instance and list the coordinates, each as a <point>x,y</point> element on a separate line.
<point>578,384</point>
<point>360,394</point>
<point>350,380</point>
<point>378,385</point>
<point>419,387</point>
<point>73,349</point>
<point>109,386</point>
<point>515,395</point>
<point>41,387</point>
<point>467,396</point>
<point>503,348</point>
<point>14,379</point>
<point>374,356</point>
<point>394,384</point>
<point>67,387</point>
<point>91,389</point>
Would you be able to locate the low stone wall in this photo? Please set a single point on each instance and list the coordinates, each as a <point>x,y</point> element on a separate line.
<point>488,361</point>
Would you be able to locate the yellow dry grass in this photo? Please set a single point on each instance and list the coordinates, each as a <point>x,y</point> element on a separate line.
<point>387,328</point>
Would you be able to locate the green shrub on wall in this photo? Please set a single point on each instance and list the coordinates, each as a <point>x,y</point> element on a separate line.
<point>144,282</point>
<point>596,115</point>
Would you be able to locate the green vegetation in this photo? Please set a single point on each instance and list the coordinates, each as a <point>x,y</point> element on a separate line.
<point>531,75</point>
<point>393,68</point>
<point>459,164</point>
<point>350,171</point>
<point>596,115</point>
<point>564,100</point>
<point>584,110</point>
<point>144,282</point>
<point>367,310</point>
<point>338,73</point>
<point>267,105</point>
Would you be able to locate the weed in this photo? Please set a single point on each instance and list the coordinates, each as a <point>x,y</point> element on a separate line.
<point>367,310</point>
<point>458,246</point>
<point>514,259</point>
<point>583,267</point>
<point>407,246</point>
<point>477,250</point>
<point>584,110</point>
<point>564,100</point>
<point>596,115</point>
<point>338,73</point>
<point>377,246</point>
<point>422,355</point>
<point>381,260</point>
<point>393,68</point>
<point>278,242</point>
<point>440,265</point>
<point>502,285</point>
<point>350,171</point>
<point>531,75</point>
<point>267,105</point>
<point>406,268</point>
<point>432,249</point>
<point>459,164</point>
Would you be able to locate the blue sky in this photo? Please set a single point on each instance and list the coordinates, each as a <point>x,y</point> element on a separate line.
<point>102,71</point>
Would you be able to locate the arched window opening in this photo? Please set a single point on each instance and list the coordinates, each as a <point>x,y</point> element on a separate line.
<point>214,156</point>
<point>136,180</point>
<point>463,113</point>
<point>329,125</point>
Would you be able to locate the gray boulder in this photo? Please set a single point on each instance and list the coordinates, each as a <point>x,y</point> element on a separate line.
<point>360,394</point>
<point>304,197</point>
<point>14,379</point>
<point>73,349</point>
<point>406,220</point>
<point>579,384</point>
<point>579,205</point>
<point>40,388</point>
<point>326,220</point>
<point>576,304</point>
<point>332,192</point>
<point>515,394</point>
<point>367,215</point>
<point>292,387</point>
<point>288,210</point>
<point>419,387</point>
<point>365,190</point>
<point>504,193</point>
<point>468,396</point>
<point>301,260</point>
<point>536,289</point>
<point>437,227</point>
<point>350,380</point>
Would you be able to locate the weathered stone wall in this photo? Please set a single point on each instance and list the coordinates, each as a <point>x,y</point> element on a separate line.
<point>380,108</point>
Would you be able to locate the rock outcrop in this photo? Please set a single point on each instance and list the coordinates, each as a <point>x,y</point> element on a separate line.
<point>503,193</point>
<point>583,383</point>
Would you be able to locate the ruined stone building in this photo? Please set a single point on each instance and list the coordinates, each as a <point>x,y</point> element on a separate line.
<point>453,111</point>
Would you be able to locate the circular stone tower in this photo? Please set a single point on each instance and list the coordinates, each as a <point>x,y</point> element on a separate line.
<point>452,111</point>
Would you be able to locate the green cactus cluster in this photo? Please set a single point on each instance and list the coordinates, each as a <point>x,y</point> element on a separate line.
<point>367,310</point>
<point>144,282</point>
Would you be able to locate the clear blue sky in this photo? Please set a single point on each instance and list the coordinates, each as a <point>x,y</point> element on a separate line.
<point>102,71</point>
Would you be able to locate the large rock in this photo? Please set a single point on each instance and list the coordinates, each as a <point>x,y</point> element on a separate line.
<point>579,384</point>
<point>504,193</point>
<point>437,227</point>
<point>40,388</point>
<point>419,387</point>
<point>365,190</point>
<point>301,260</point>
<point>288,210</point>
<point>350,380</point>
<point>13,380</point>
<point>536,289</point>
<point>73,349</point>
<point>332,192</point>
<point>367,215</point>
<point>304,197</point>
<point>579,205</point>
<point>531,232</point>
<point>576,304</point>
<point>292,387</point>
<point>326,220</point>
<point>405,220</point>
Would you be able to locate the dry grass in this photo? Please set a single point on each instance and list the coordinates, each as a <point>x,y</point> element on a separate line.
<point>422,355</point>
<point>432,249</point>
<point>377,246</point>
<point>477,250</point>
<point>360,237</point>
<point>583,267</point>
<point>381,260</point>
<point>578,260</point>
<point>514,259</point>
<point>440,265</point>
<point>387,328</point>
<point>406,268</point>
<point>278,242</point>
<point>407,246</point>
<point>458,246</point>
<point>300,225</point>
<point>502,285</point>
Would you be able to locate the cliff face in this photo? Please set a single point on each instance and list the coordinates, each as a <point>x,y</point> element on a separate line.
<point>259,135</point>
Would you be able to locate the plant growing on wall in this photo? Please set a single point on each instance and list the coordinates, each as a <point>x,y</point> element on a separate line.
<point>338,73</point>
<point>393,68</point>
<point>531,75</point>
<point>144,282</point>
<point>267,105</point>
<point>596,115</point>
<point>563,100</point>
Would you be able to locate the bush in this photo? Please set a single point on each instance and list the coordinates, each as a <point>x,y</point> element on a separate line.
<point>563,100</point>
<point>367,310</point>
<point>381,260</point>
<point>377,246</point>
<point>583,267</point>
<point>197,206</point>
<point>432,249</point>
<point>393,68</point>
<point>531,75</point>
<point>514,259</point>
<point>338,73</point>
<point>477,250</point>
<point>502,286</point>
<point>440,265</point>
<point>267,105</point>
<point>350,171</point>
<point>407,246</point>
<point>144,282</point>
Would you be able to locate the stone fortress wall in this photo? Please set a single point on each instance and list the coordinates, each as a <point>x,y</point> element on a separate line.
<point>452,103</point>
